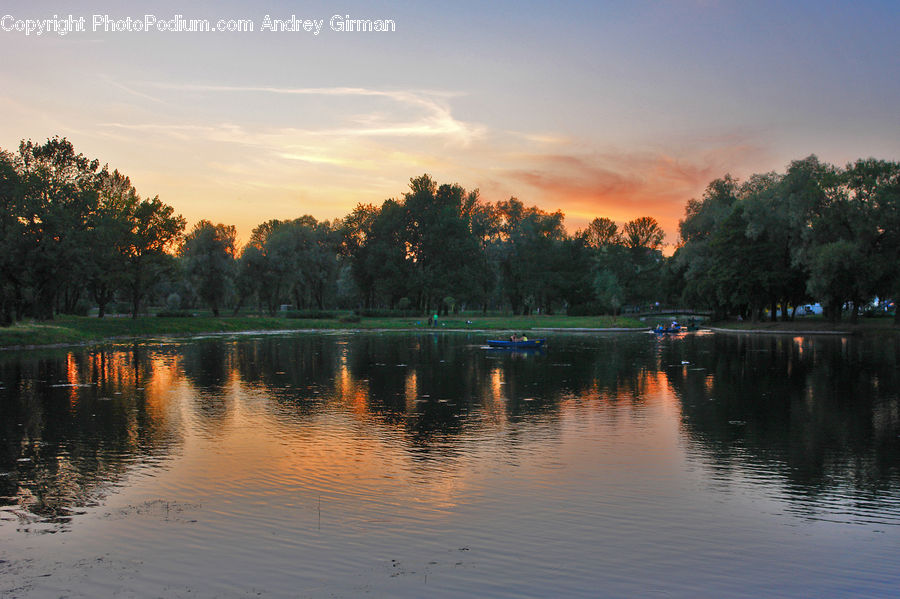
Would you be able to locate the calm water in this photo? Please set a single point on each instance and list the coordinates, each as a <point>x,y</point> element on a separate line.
<point>395,464</point>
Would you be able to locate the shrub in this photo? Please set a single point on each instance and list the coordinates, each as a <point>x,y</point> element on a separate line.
<point>81,308</point>
<point>385,313</point>
<point>174,314</point>
<point>310,314</point>
<point>173,302</point>
<point>588,309</point>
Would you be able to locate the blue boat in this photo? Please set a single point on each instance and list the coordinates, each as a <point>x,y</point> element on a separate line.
<point>508,344</point>
<point>669,330</point>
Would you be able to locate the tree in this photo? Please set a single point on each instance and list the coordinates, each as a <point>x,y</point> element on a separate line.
<point>773,230</point>
<point>694,257</point>
<point>643,238</point>
<point>108,239</point>
<point>600,233</point>
<point>153,230</point>
<point>258,273</point>
<point>60,191</point>
<point>209,257</point>
<point>643,233</point>
<point>12,231</point>
<point>530,243</point>
<point>442,250</point>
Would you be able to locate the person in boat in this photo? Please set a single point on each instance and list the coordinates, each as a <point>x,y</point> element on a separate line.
<point>659,328</point>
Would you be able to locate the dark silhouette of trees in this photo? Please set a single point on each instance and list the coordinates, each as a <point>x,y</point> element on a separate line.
<point>74,235</point>
<point>209,253</point>
<point>71,229</point>
<point>817,233</point>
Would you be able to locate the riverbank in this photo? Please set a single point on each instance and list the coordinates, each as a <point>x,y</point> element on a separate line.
<point>811,326</point>
<point>76,330</point>
<point>73,330</point>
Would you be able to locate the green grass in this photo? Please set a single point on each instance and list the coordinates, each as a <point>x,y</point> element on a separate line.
<point>815,323</point>
<point>67,330</point>
<point>79,329</point>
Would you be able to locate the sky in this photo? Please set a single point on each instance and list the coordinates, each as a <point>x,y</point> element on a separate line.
<point>601,109</point>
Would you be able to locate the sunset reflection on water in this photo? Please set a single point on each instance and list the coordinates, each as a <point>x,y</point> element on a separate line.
<point>336,450</point>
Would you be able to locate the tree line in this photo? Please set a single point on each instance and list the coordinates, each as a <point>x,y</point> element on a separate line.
<point>75,236</point>
<point>817,233</point>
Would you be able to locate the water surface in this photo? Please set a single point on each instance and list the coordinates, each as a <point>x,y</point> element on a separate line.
<point>399,464</point>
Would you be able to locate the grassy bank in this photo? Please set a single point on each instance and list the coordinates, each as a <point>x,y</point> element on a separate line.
<point>77,329</point>
<point>815,325</point>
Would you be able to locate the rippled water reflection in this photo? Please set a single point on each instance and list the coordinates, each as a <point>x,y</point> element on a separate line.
<point>413,465</point>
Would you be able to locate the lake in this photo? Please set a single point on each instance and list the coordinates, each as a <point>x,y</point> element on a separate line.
<point>427,465</point>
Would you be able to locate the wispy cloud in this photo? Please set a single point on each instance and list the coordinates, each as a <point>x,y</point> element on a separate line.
<point>365,143</point>
<point>434,119</point>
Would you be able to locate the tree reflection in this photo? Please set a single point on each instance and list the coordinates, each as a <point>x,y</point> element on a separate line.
<point>72,424</point>
<point>819,415</point>
<point>822,412</point>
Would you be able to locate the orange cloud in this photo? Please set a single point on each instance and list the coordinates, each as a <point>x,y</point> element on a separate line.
<point>625,186</point>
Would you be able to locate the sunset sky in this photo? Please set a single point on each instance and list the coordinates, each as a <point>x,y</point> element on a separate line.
<point>617,109</point>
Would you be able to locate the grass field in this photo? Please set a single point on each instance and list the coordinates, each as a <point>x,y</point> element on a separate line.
<point>815,324</point>
<point>79,329</point>
<point>67,330</point>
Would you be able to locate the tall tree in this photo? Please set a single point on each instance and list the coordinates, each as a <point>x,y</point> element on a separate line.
<point>209,254</point>
<point>530,244</point>
<point>61,191</point>
<point>12,231</point>
<point>643,233</point>
<point>109,238</point>
<point>601,232</point>
<point>154,229</point>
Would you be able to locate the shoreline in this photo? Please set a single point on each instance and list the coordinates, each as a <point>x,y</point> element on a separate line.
<point>85,331</point>
<point>348,330</point>
<point>783,331</point>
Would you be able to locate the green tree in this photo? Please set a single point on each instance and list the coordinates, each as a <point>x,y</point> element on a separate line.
<point>109,238</point>
<point>60,197</point>
<point>694,257</point>
<point>644,234</point>
<point>643,239</point>
<point>600,233</point>
<point>153,230</point>
<point>12,231</point>
<point>443,252</point>
<point>530,244</point>
<point>208,252</point>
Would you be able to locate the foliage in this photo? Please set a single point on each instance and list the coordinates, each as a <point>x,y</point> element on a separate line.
<point>311,314</point>
<point>209,254</point>
<point>817,233</point>
<point>74,235</point>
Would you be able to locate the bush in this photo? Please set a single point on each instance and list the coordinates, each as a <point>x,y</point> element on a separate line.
<point>588,309</point>
<point>174,314</point>
<point>118,308</point>
<point>173,302</point>
<point>82,308</point>
<point>384,313</point>
<point>310,314</point>
<point>350,318</point>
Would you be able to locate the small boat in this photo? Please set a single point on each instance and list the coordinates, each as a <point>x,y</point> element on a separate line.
<point>508,344</point>
<point>669,331</point>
